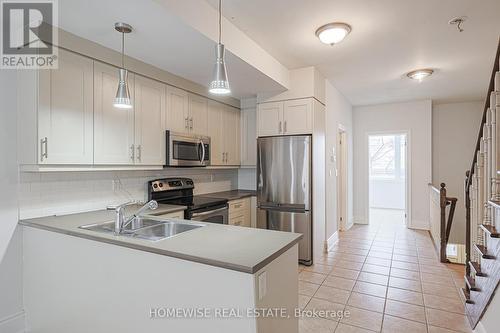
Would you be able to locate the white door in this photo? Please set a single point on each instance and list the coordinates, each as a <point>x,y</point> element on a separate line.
<point>215,131</point>
<point>231,132</point>
<point>298,116</point>
<point>387,165</point>
<point>270,119</point>
<point>149,120</point>
<point>177,110</point>
<point>113,127</point>
<point>65,111</point>
<point>198,114</point>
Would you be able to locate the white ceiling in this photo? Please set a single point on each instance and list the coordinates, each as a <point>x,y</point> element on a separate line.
<point>160,39</point>
<point>389,38</point>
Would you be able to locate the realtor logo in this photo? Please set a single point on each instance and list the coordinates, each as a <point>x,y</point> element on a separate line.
<point>28,34</point>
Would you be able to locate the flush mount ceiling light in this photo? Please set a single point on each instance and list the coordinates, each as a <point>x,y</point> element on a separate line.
<point>220,83</point>
<point>122,99</point>
<point>420,74</point>
<point>333,33</point>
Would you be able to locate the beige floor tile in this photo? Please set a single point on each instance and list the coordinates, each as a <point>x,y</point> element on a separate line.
<point>370,289</point>
<point>352,257</point>
<point>378,254</point>
<point>344,328</point>
<point>376,248</point>
<point>440,290</point>
<point>406,252</point>
<point>405,310</point>
<point>376,269</point>
<point>441,279</point>
<point>307,288</point>
<point>434,270</point>
<point>435,329</point>
<point>338,282</point>
<point>447,320</point>
<point>405,274</point>
<point>378,261</point>
<point>399,325</point>
<point>366,302</point>
<point>333,294</point>
<point>316,325</point>
<point>444,303</point>
<point>373,278</point>
<point>331,309</point>
<point>405,265</point>
<point>401,257</point>
<point>363,318</point>
<point>406,296</point>
<point>316,278</point>
<point>344,273</point>
<point>319,268</point>
<point>405,284</point>
<point>303,300</point>
<point>349,264</point>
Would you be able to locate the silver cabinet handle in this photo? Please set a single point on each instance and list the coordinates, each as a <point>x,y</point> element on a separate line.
<point>139,152</point>
<point>284,130</point>
<point>186,123</point>
<point>191,123</point>
<point>280,128</point>
<point>43,149</point>
<point>132,153</point>
<point>227,156</point>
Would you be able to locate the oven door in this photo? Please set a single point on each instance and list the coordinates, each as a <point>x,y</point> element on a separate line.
<point>217,215</point>
<point>187,150</point>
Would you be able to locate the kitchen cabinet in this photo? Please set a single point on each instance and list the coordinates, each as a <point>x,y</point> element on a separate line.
<point>149,121</point>
<point>285,118</point>
<point>198,115</point>
<point>174,215</point>
<point>240,213</point>
<point>248,137</point>
<point>56,113</point>
<point>177,110</point>
<point>224,131</point>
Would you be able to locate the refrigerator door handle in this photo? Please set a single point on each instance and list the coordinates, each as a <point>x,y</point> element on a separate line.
<point>284,208</point>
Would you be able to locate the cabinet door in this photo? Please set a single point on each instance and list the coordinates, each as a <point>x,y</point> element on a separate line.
<point>297,116</point>
<point>113,127</point>
<point>177,110</point>
<point>149,120</point>
<point>65,111</point>
<point>270,119</point>
<point>248,137</point>
<point>231,133</point>
<point>215,131</point>
<point>198,114</point>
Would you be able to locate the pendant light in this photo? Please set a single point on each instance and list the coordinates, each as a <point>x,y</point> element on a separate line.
<point>122,99</point>
<point>220,83</point>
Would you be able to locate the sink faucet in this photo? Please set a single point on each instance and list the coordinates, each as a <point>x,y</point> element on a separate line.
<point>121,222</point>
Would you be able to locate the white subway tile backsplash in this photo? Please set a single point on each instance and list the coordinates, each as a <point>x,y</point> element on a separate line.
<point>59,193</point>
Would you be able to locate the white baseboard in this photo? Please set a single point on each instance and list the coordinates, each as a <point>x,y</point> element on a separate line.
<point>14,323</point>
<point>419,225</point>
<point>333,240</point>
<point>360,220</point>
<point>480,328</point>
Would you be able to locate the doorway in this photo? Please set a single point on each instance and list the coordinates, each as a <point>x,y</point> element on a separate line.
<point>388,178</point>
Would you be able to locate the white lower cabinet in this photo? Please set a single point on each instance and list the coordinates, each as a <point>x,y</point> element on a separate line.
<point>240,212</point>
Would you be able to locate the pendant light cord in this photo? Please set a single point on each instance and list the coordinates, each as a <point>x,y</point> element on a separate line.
<point>123,49</point>
<point>220,20</point>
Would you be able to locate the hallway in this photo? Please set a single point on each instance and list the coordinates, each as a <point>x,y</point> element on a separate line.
<point>388,278</point>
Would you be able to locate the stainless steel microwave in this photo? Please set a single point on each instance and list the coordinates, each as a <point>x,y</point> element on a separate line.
<point>187,150</point>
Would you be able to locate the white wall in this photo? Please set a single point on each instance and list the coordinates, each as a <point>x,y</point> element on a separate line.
<point>416,119</point>
<point>454,133</point>
<point>338,113</point>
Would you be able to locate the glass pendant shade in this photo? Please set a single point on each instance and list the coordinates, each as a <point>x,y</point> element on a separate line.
<point>220,83</point>
<point>122,99</point>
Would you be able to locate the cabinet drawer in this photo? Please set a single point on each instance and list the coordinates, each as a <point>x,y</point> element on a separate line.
<point>174,215</point>
<point>237,220</point>
<point>238,207</point>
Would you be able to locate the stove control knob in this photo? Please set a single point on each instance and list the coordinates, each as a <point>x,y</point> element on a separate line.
<point>155,185</point>
<point>161,184</point>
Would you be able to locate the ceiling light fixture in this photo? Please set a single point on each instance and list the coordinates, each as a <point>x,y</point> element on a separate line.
<point>420,74</point>
<point>220,83</point>
<point>333,33</point>
<point>122,99</point>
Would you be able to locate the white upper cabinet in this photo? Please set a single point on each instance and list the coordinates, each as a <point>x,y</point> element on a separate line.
<point>270,119</point>
<point>113,127</point>
<point>215,132</point>
<point>198,115</point>
<point>248,137</point>
<point>285,118</point>
<point>231,131</point>
<point>224,131</point>
<point>149,121</point>
<point>298,116</point>
<point>65,111</point>
<point>177,110</point>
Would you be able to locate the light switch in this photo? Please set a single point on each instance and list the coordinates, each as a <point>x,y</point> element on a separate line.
<point>262,285</point>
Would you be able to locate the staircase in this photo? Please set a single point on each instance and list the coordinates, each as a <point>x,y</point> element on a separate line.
<point>482,203</point>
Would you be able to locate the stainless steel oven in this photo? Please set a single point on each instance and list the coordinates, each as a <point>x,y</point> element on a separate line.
<point>187,149</point>
<point>213,215</point>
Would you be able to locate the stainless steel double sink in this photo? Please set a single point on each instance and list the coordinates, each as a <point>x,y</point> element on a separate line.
<point>148,228</point>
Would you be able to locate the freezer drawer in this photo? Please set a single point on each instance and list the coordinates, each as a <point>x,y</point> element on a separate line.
<point>299,222</point>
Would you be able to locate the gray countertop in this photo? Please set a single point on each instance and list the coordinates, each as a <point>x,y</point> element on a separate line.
<point>232,195</point>
<point>236,248</point>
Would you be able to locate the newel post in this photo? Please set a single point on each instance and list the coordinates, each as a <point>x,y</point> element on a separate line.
<point>442,204</point>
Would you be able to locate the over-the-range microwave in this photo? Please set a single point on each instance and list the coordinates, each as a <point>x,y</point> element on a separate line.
<point>187,150</point>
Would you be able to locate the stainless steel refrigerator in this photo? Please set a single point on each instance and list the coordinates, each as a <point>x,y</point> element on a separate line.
<point>284,193</point>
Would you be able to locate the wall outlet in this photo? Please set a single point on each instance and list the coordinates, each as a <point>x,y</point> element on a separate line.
<point>262,285</point>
